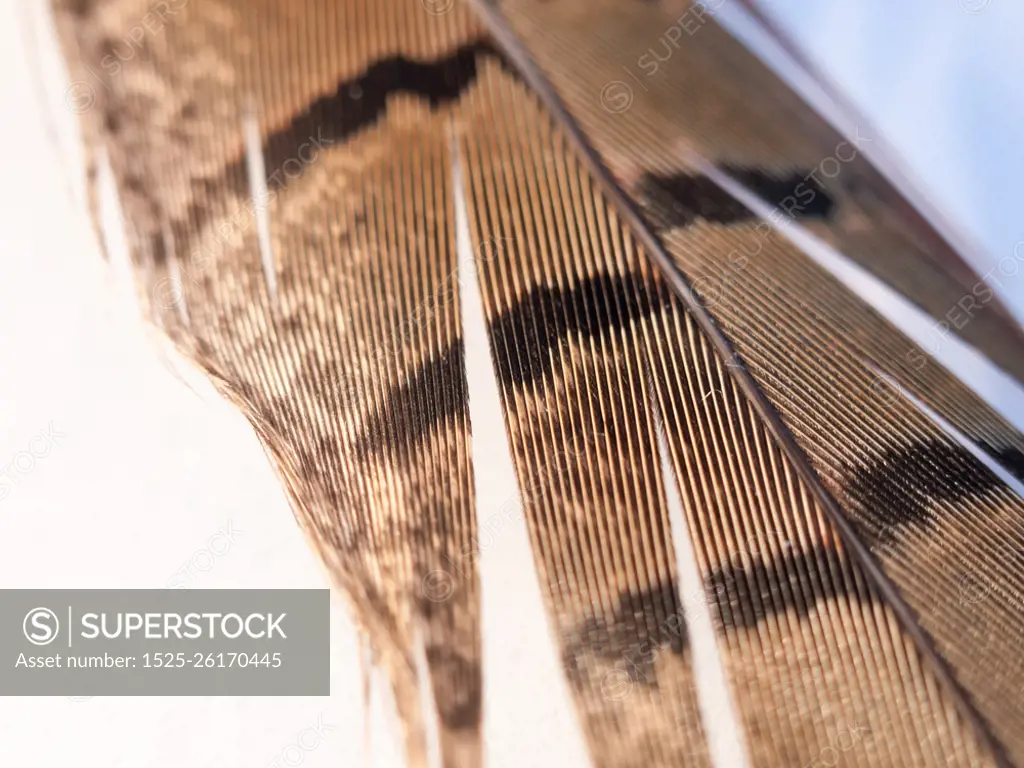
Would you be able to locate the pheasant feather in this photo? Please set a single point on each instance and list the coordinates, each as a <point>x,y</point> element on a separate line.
<point>562,288</point>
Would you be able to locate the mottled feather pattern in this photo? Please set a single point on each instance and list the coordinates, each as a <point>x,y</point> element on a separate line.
<point>853,556</point>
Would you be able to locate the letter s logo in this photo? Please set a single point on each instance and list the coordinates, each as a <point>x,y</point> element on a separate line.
<point>40,626</point>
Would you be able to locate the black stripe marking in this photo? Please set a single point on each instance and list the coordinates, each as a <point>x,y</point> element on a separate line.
<point>359,102</point>
<point>794,193</point>
<point>641,626</point>
<point>900,490</point>
<point>356,103</point>
<point>525,336</point>
<point>778,586</point>
<point>680,199</point>
<point>458,684</point>
<point>741,597</point>
<point>677,200</point>
<point>402,423</point>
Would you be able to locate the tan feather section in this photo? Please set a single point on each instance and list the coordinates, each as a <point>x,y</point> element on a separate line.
<point>814,651</point>
<point>581,434</point>
<point>285,169</point>
<point>814,655</point>
<point>653,81</point>
<point>816,350</point>
<point>350,369</point>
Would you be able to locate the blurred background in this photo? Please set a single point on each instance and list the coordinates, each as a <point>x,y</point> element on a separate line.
<point>149,475</point>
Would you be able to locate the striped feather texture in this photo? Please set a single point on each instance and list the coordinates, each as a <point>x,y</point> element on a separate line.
<point>296,179</point>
